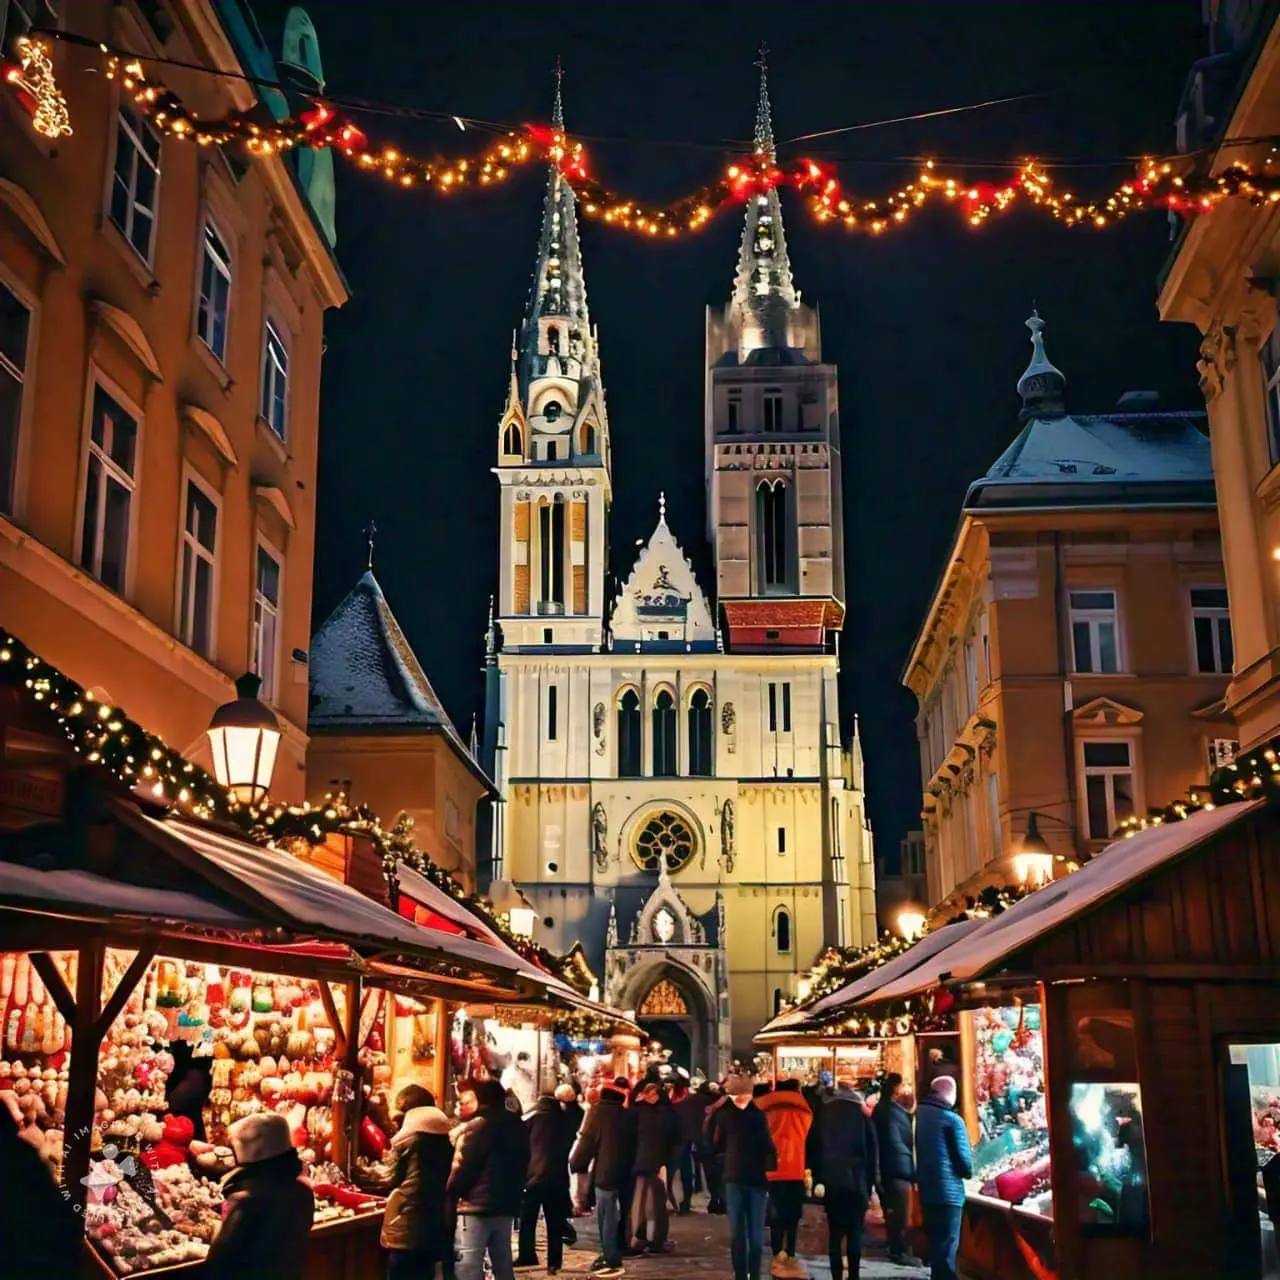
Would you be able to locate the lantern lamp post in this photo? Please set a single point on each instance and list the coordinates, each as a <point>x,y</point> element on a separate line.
<point>244,736</point>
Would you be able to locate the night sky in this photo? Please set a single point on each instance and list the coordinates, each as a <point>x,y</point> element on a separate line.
<point>926,324</point>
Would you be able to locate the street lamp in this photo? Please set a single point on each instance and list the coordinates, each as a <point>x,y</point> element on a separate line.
<point>1033,863</point>
<point>509,901</point>
<point>911,922</point>
<point>243,737</point>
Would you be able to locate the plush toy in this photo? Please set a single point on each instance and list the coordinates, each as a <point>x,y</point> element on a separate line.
<point>173,1145</point>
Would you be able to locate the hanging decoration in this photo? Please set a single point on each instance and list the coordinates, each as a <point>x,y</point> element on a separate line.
<point>107,738</point>
<point>1174,185</point>
<point>32,79</point>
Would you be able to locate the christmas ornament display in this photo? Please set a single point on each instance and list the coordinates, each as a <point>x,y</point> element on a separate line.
<point>32,80</point>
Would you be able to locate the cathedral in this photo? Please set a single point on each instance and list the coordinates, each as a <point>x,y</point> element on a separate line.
<point>674,794</point>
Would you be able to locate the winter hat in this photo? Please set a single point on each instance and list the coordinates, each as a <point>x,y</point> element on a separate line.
<point>423,1120</point>
<point>735,1086</point>
<point>260,1137</point>
<point>944,1087</point>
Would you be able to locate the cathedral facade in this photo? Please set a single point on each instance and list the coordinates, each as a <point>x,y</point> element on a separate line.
<point>674,793</point>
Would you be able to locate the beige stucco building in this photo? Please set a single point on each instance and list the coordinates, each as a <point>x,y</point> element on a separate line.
<point>674,791</point>
<point>1222,278</point>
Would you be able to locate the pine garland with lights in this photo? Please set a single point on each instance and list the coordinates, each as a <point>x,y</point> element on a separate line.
<point>1183,185</point>
<point>133,757</point>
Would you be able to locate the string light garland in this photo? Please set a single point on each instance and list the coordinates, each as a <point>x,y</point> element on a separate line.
<point>1172,185</point>
<point>33,80</point>
<point>107,738</point>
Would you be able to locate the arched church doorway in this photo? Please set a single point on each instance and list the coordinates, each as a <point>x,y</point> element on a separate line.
<point>674,1040</point>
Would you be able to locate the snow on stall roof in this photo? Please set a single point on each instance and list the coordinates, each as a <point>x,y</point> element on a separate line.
<point>364,674</point>
<point>310,898</point>
<point>81,891</point>
<point>1119,865</point>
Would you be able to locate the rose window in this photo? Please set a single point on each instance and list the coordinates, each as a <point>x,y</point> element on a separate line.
<point>665,837</point>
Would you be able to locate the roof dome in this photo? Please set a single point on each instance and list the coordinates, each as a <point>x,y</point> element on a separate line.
<point>1042,384</point>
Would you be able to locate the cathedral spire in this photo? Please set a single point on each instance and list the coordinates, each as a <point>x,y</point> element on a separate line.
<point>557,105</point>
<point>1042,384</point>
<point>764,294</point>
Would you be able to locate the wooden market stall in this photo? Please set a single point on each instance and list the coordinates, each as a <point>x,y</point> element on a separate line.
<point>141,933</point>
<point>1157,967</point>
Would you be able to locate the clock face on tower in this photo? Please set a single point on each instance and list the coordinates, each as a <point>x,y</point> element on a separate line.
<point>665,836</point>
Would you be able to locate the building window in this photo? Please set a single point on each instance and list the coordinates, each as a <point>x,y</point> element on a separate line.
<point>1270,356</point>
<point>700,734</point>
<point>108,491</point>
<point>551,544</point>
<point>1222,752</point>
<point>772,533</point>
<point>971,674</point>
<point>785,688</point>
<point>1211,624</point>
<point>15,329</point>
<point>777,1001</point>
<point>588,439</point>
<point>772,409</point>
<point>993,812</point>
<point>199,548</point>
<point>1094,631</point>
<point>666,839</point>
<point>512,442</point>
<point>553,451</point>
<point>215,293</point>
<point>266,622</point>
<point>786,706</point>
<point>553,697</point>
<point>664,735</point>
<point>782,839</point>
<point>773,707</point>
<point>1108,786</point>
<point>275,380</point>
<point>135,184</point>
<point>734,419</point>
<point>782,930</point>
<point>629,748</point>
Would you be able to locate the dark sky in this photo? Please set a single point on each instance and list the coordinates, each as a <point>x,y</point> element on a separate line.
<point>926,325</point>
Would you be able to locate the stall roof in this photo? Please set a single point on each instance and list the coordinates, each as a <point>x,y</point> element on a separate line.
<point>303,896</point>
<point>1121,864</point>
<point>859,989</point>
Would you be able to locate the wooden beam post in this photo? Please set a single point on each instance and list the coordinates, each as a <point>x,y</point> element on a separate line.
<point>339,1027</point>
<point>42,963</point>
<point>442,1011</point>
<point>82,1078</point>
<point>124,989</point>
<point>347,1111</point>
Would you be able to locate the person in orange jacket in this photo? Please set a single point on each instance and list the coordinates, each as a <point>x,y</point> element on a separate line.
<point>787,1113</point>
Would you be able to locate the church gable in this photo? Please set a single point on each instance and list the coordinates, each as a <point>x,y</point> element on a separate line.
<point>661,603</point>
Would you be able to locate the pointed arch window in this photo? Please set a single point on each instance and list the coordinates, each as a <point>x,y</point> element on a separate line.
<point>551,519</point>
<point>782,931</point>
<point>773,526</point>
<point>664,735</point>
<point>629,749</point>
<point>513,440</point>
<point>700,734</point>
<point>587,441</point>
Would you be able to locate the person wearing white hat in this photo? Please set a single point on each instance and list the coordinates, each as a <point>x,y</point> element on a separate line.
<point>269,1208</point>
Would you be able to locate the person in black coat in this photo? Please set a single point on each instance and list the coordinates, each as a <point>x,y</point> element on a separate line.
<point>607,1144</point>
<point>848,1173</point>
<point>40,1234</point>
<point>416,1229</point>
<point>707,1157</point>
<point>269,1208</point>
<point>546,1190</point>
<point>747,1155</point>
<point>896,1142</point>
<point>488,1180</point>
<point>190,1084</point>
<point>657,1138</point>
<point>691,1109</point>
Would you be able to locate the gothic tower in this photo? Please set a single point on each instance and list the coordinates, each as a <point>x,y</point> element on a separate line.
<point>772,444</point>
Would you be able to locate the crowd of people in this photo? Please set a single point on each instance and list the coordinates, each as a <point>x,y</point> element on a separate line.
<point>461,1187</point>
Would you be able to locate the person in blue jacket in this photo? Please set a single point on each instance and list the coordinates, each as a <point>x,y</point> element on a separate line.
<point>944,1159</point>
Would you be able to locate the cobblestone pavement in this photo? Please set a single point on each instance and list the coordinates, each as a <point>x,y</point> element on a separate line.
<point>702,1249</point>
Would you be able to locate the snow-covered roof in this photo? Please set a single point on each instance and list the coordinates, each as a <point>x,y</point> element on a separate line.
<point>364,675</point>
<point>661,602</point>
<point>1121,864</point>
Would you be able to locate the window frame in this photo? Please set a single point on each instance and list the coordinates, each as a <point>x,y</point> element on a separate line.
<point>273,328</point>
<point>1132,740</point>
<point>1217,616</point>
<point>270,691</point>
<point>182,605</point>
<point>553,712</point>
<point>26,381</point>
<point>670,741</point>
<point>99,379</point>
<point>209,225</point>
<point>125,117</point>
<point>708,714</point>
<point>781,913</point>
<point>619,710</point>
<point>772,423</point>
<point>1093,618</point>
<point>1269,367</point>
<point>773,500</point>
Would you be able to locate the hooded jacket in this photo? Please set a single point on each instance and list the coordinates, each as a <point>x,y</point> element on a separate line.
<point>789,1119</point>
<point>489,1164</point>
<point>850,1157</point>
<point>266,1222</point>
<point>416,1219</point>
<point>609,1139</point>
<point>943,1154</point>
<point>657,1135</point>
<point>893,1128</point>
<point>551,1131</point>
<point>742,1144</point>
